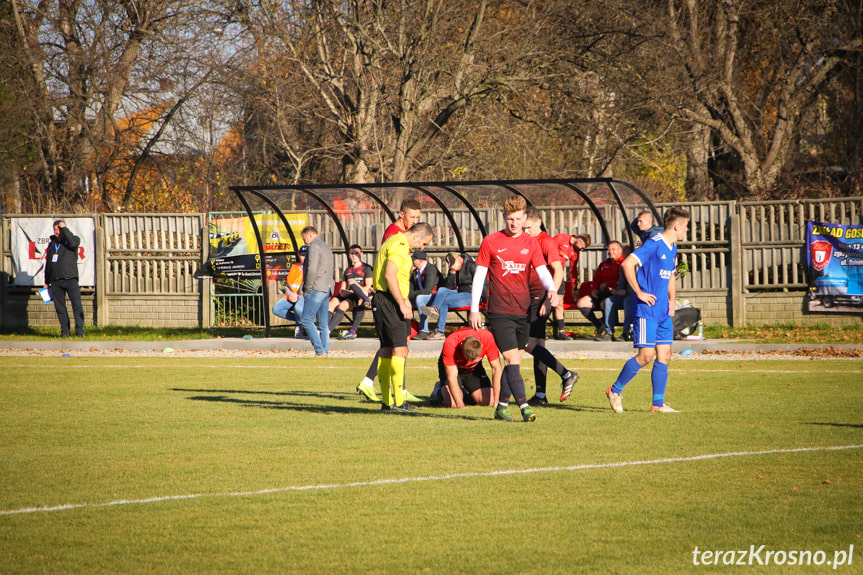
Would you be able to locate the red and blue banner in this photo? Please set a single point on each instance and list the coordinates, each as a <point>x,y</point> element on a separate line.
<point>834,257</point>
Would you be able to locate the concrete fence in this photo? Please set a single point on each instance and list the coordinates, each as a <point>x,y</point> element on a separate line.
<point>746,261</point>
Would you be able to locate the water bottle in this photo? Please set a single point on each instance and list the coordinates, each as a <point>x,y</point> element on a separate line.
<point>700,330</point>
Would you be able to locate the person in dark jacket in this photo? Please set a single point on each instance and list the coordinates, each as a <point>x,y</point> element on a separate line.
<point>454,294</point>
<point>643,226</point>
<point>61,277</point>
<point>424,283</point>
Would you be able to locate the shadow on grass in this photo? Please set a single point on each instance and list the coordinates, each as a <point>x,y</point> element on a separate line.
<point>312,407</point>
<point>855,425</point>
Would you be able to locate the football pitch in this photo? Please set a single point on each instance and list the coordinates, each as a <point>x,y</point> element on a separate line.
<point>275,465</point>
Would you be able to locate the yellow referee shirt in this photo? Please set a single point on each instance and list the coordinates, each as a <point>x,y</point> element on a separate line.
<point>397,250</point>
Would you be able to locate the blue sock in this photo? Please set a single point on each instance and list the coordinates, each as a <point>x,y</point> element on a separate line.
<point>630,370</point>
<point>659,378</point>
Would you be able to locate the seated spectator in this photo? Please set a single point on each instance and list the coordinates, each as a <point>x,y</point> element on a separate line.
<point>455,293</point>
<point>290,307</point>
<point>643,226</point>
<point>463,380</point>
<point>352,293</point>
<point>424,282</point>
<point>621,298</point>
<point>570,248</point>
<point>592,293</point>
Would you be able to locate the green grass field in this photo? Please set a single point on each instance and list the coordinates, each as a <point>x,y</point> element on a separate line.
<point>169,465</point>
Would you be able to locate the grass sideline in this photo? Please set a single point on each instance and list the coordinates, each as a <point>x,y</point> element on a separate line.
<point>251,438</point>
<point>821,333</point>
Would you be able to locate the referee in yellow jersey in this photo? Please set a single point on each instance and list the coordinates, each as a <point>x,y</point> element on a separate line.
<point>392,310</point>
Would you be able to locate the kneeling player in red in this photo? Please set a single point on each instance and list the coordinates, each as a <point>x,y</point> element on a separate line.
<point>463,380</point>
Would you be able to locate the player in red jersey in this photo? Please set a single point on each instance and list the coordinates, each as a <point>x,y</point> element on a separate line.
<point>539,311</point>
<point>506,257</point>
<point>570,248</point>
<point>463,380</point>
<point>409,214</point>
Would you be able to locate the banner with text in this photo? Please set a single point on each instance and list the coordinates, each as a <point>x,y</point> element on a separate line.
<point>835,258</point>
<point>30,241</point>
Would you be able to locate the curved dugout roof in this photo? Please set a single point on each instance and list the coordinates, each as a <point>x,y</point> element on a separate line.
<point>337,200</point>
<point>340,201</point>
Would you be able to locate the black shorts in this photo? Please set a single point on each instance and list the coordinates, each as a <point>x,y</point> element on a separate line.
<point>470,382</point>
<point>509,331</point>
<point>393,329</point>
<point>537,322</point>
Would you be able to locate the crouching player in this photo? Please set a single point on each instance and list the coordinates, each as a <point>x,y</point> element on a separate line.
<point>463,380</point>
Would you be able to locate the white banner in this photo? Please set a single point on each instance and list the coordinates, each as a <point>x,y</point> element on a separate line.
<point>30,240</point>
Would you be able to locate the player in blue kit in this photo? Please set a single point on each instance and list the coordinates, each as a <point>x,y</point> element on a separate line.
<point>650,272</point>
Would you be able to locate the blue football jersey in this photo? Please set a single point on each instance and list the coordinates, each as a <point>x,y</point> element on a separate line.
<point>657,260</point>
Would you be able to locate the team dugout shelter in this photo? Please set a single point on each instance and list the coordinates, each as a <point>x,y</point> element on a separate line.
<point>461,213</point>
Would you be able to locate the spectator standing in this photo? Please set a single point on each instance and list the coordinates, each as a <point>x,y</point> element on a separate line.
<point>353,293</point>
<point>650,272</point>
<point>462,379</point>
<point>393,312</point>
<point>505,258</point>
<point>317,289</point>
<point>61,277</point>
<point>591,294</point>
<point>570,248</point>
<point>290,307</point>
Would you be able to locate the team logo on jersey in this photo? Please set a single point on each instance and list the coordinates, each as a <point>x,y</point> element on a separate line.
<point>511,267</point>
<point>525,251</point>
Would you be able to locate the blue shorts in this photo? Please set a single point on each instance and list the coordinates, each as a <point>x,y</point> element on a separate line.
<point>649,333</point>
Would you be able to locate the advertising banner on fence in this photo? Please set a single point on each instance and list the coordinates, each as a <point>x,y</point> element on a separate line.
<point>30,241</point>
<point>234,250</point>
<point>248,267</point>
<point>834,255</point>
<point>235,236</point>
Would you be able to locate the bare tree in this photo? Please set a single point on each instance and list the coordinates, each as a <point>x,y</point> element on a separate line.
<point>749,72</point>
<point>92,63</point>
<point>391,77</point>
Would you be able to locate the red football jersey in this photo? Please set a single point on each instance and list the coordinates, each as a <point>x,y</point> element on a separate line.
<point>550,254</point>
<point>452,352</point>
<point>508,260</point>
<point>568,252</point>
<point>391,230</point>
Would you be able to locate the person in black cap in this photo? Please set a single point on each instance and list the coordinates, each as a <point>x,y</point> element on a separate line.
<point>454,293</point>
<point>61,277</point>
<point>424,280</point>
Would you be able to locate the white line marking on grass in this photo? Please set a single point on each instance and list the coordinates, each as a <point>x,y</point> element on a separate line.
<point>428,478</point>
